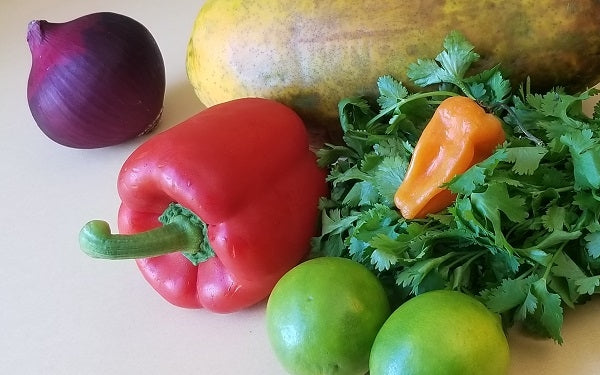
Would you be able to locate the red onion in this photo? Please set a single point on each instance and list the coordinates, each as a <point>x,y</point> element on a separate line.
<point>95,81</point>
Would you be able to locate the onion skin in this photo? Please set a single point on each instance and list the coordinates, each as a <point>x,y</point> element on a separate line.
<point>95,81</point>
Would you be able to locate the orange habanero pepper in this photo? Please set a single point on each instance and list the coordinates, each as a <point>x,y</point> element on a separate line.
<point>459,135</point>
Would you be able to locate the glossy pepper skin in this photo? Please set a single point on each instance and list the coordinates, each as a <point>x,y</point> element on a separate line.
<point>459,135</point>
<point>245,169</point>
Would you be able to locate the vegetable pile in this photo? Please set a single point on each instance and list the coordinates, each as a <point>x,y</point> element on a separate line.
<point>467,185</point>
<point>523,234</point>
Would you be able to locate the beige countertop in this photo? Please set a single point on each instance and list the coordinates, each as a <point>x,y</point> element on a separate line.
<point>64,313</point>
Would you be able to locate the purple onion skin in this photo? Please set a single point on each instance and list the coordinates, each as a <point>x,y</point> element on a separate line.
<point>95,81</point>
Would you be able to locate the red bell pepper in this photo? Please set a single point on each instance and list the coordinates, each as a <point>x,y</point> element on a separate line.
<point>246,188</point>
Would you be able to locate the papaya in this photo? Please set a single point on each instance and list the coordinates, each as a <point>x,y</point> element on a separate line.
<point>309,54</point>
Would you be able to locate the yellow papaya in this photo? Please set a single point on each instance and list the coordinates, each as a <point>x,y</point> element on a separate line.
<point>309,54</point>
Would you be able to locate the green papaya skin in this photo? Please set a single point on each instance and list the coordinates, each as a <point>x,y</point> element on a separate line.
<point>310,54</point>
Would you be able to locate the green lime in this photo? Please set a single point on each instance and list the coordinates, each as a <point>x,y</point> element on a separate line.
<point>441,333</point>
<point>323,316</point>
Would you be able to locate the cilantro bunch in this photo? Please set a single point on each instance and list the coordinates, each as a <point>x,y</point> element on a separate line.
<point>524,232</point>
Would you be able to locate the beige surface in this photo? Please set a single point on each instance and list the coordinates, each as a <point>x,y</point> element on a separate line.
<point>63,313</point>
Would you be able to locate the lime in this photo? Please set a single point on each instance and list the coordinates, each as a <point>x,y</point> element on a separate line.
<point>441,333</point>
<point>323,316</point>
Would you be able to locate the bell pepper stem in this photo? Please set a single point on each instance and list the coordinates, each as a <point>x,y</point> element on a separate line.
<point>97,241</point>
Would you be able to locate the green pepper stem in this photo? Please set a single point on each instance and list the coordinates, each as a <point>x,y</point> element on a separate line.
<point>97,241</point>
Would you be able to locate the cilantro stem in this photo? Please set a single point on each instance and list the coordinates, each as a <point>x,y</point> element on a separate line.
<point>435,262</point>
<point>522,128</point>
<point>467,258</point>
<point>565,189</point>
<point>527,272</point>
<point>364,137</point>
<point>409,99</point>
<point>551,263</point>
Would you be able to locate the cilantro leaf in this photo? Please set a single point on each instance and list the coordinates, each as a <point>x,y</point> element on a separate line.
<point>588,285</point>
<point>554,218</point>
<point>391,92</point>
<point>526,159</point>
<point>469,181</point>
<point>458,55</point>
<point>489,87</point>
<point>585,152</point>
<point>388,176</point>
<point>509,294</point>
<point>386,252</point>
<point>413,276</point>
<point>530,301</point>
<point>549,314</point>
<point>334,229</point>
<point>593,244</point>
<point>450,66</point>
<point>474,177</point>
<point>495,201</point>
<point>362,193</point>
<point>353,112</point>
<point>427,72</point>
